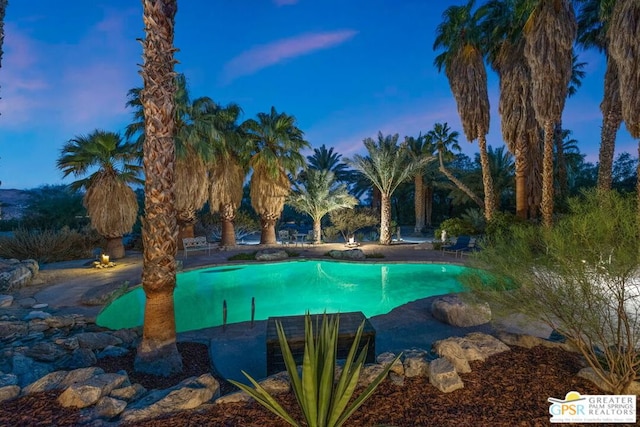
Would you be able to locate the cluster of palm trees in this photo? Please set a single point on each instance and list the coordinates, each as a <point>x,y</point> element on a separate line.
<point>530,44</point>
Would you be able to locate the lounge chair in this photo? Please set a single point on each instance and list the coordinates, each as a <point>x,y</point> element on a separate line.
<point>462,242</point>
<point>473,247</point>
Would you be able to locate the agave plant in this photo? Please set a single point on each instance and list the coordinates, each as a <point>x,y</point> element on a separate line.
<point>323,401</point>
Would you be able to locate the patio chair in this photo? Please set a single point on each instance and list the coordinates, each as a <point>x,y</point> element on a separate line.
<point>462,242</point>
<point>284,236</point>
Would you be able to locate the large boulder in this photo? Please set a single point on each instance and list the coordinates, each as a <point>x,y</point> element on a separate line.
<point>15,274</point>
<point>451,309</point>
<point>351,254</point>
<point>271,255</point>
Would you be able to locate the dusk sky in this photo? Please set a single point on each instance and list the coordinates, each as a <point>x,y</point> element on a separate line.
<point>345,69</point>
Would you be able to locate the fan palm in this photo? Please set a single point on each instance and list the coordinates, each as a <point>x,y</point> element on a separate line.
<point>502,22</point>
<point>624,46</point>
<point>157,352</point>
<point>460,36</point>
<point>111,203</point>
<point>317,193</point>
<point>193,124</point>
<point>387,166</point>
<point>277,142</point>
<point>323,159</point>
<point>418,148</point>
<point>593,26</point>
<point>444,140</point>
<point>549,35</point>
<point>228,168</point>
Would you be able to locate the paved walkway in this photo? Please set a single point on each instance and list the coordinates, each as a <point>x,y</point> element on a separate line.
<point>242,347</point>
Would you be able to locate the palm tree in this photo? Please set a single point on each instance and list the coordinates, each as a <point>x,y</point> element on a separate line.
<point>277,142</point>
<point>593,26</point>
<point>157,352</point>
<point>461,37</point>
<point>193,124</point>
<point>317,193</point>
<point>418,148</point>
<point>323,159</point>
<point>549,35</point>
<point>387,166</point>
<point>111,203</point>
<point>228,168</point>
<point>624,46</point>
<point>444,141</point>
<point>502,22</point>
<point>502,170</point>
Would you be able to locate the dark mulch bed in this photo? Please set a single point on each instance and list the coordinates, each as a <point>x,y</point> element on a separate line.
<point>510,389</point>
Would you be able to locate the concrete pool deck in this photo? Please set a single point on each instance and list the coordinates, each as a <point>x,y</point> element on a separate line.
<point>66,286</point>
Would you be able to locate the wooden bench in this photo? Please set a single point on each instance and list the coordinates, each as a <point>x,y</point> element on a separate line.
<point>192,244</point>
<point>294,331</point>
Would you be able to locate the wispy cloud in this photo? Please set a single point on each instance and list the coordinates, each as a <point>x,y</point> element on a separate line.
<point>76,86</point>
<point>281,3</point>
<point>264,56</point>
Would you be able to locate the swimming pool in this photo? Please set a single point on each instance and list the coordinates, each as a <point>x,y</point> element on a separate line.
<point>288,288</point>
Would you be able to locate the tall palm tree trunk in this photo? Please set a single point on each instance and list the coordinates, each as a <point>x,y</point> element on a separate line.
<point>611,120</point>
<point>522,167</point>
<point>534,175</point>
<point>547,175</point>
<point>459,183</point>
<point>419,202</point>
<point>268,228</point>
<point>157,352</point>
<point>227,215</point>
<point>385,219</point>
<point>487,180</point>
<point>317,230</point>
<point>428,204</point>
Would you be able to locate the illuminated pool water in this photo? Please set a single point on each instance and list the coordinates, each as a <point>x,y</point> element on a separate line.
<point>288,288</point>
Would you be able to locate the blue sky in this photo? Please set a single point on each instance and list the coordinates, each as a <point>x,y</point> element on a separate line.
<point>345,69</point>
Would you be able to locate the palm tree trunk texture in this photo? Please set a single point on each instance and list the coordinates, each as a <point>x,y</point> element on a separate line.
<point>317,231</point>
<point>268,229</point>
<point>534,175</point>
<point>459,184</point>
<point>157,352</point>
<point>115,248</point>
<point>522,166</point>
<point>227,215</point>
<point>610,125</point>
<point>385,219</point>
<point>547,175</point>
<point>428,204</point>
<point>487,180</point>
<point>419,202</point>
<point>611,107</point>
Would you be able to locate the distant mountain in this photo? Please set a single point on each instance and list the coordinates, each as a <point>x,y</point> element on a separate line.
<point>12,203</point>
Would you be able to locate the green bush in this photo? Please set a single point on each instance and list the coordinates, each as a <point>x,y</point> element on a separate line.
<point>455,227</point>
<point>243,256</point>
<point>578,276</point>
<point>324,402</point>
<point>49,245</point>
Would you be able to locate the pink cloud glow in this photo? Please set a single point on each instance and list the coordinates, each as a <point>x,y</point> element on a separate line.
<point>263,56</point>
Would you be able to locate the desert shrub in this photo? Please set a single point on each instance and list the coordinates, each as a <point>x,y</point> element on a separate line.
<point>243,256</point>
<point>580,277</point>
<point>501,223</point>
<point>348,221</point>
<point>456,227</point>
<point>49,245</point>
